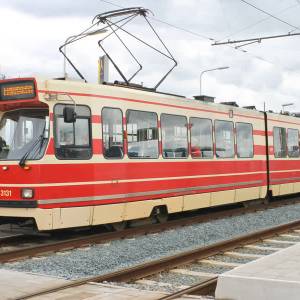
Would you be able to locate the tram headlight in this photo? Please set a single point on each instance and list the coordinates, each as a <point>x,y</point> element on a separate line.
<point>27,193</point>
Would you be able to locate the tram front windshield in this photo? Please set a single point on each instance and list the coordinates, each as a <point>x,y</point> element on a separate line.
<point>22,132</point>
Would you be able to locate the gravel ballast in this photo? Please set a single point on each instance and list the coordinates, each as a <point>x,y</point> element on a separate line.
<point>116,255</point>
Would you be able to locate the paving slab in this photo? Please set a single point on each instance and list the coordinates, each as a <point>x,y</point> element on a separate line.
<point>273,277</point>
<point>98,291</point>
<point>15,285</point>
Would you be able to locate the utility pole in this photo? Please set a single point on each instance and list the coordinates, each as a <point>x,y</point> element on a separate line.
<point>209,70</point>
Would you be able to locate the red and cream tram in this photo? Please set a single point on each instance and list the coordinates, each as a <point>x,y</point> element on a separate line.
<point>77,154</point>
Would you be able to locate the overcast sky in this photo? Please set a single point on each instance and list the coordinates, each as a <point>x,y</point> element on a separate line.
<point>32,31</point>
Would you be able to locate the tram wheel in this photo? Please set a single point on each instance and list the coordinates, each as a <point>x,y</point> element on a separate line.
<point>162,216</point>
<point>119,226</point>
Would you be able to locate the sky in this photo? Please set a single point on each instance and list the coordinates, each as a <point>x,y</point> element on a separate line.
<point>266,72</point>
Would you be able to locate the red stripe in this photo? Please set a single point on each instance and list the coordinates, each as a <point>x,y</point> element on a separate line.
<point>284,122</point>
<point>96,119</point>
<point>50,149</point>
<point>97,146</point>
<point>286,175</point>
<point>107,190</point>
<point>140,198</point>
<point>259,150</point>
<point>58,192</point>
<point>148,102</point>
<point>284,165</point>
<point>51,116</point>
<point>79,172</point>
<point>262,132</point>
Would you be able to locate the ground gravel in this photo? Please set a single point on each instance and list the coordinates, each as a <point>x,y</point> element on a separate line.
<point>231,259</point>
<point>208,268</point>
<point>100,259</point>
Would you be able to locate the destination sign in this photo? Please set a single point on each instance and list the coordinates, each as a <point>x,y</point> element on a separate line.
<point>17,90</point>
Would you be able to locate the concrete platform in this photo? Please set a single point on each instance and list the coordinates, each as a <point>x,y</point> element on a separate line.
<point>274,277</point>
<point>97,291</point>
<point>15,285</point>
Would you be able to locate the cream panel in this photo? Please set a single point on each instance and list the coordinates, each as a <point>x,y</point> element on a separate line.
<point>196,201</point>
<point>297,187</point>
<point>259,140</point>
<point>287,188</point>
<point>263,192</point>
<point>174,204</point>
<point>247,194</point>
<point>110,213</point>
<point>275,190</point>
<point>43,217</point>
<point>72,217</point>
<point>140,209</point>
<point>223,197</point>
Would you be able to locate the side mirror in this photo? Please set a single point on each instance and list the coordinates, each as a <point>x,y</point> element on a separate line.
<point>47,125</point>
<point>69,114</point>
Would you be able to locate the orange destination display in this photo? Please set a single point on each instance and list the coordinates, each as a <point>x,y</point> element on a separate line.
<point>17,90</point>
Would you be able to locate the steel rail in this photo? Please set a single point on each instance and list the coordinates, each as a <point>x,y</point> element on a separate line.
<point>11,239</point>
<point>206,287</point>
<point>167,263</point>
<point>71,243</point>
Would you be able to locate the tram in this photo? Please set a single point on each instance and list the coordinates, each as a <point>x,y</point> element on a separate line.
<point>76,154</point>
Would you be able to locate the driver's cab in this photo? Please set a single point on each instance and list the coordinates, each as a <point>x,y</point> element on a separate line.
<point>24,121</point>
<point>24,132</point>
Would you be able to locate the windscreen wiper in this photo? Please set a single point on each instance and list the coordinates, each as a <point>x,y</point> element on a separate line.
<point>39,141</point>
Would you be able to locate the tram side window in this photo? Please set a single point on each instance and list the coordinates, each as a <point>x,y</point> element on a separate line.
<point>112,132</point>
<point>244,140</point>
<point>201,138</point>
<point>224,139</point>
<point>73,140</point>
<point>293,143</point>
<point>142,134</point>
<point>280,145</point>
<point>174,136</point>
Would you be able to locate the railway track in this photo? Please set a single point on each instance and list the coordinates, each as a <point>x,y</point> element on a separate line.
<point>20,247</point>
<point>183,263</point>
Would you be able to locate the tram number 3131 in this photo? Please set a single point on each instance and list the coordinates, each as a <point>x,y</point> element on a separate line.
<point>5,193</point>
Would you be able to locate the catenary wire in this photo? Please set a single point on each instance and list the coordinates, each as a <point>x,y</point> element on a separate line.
<point>269,14</point>
<point>199,35</point>
<point>166,23</point>
<point>258,22</point>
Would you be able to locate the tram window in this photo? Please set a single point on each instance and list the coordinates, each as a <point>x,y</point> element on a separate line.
<point>224,139</point>
<point>174,136</point>
<point>73,140</point>
<point>201,138</point>
<point>244,140</point>
<point>280,145</point>
<point>293,143</point>
<point>112,132</point>
<point>142,134</point>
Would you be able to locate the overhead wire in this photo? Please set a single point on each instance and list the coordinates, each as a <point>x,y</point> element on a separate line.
<point>270,15</point>
<point>258,22</point>
<point>198,35</point>
<point>167,23</point>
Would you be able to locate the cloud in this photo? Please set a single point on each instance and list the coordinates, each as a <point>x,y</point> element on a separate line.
<point>55,8</point>
<point>35,29</point>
